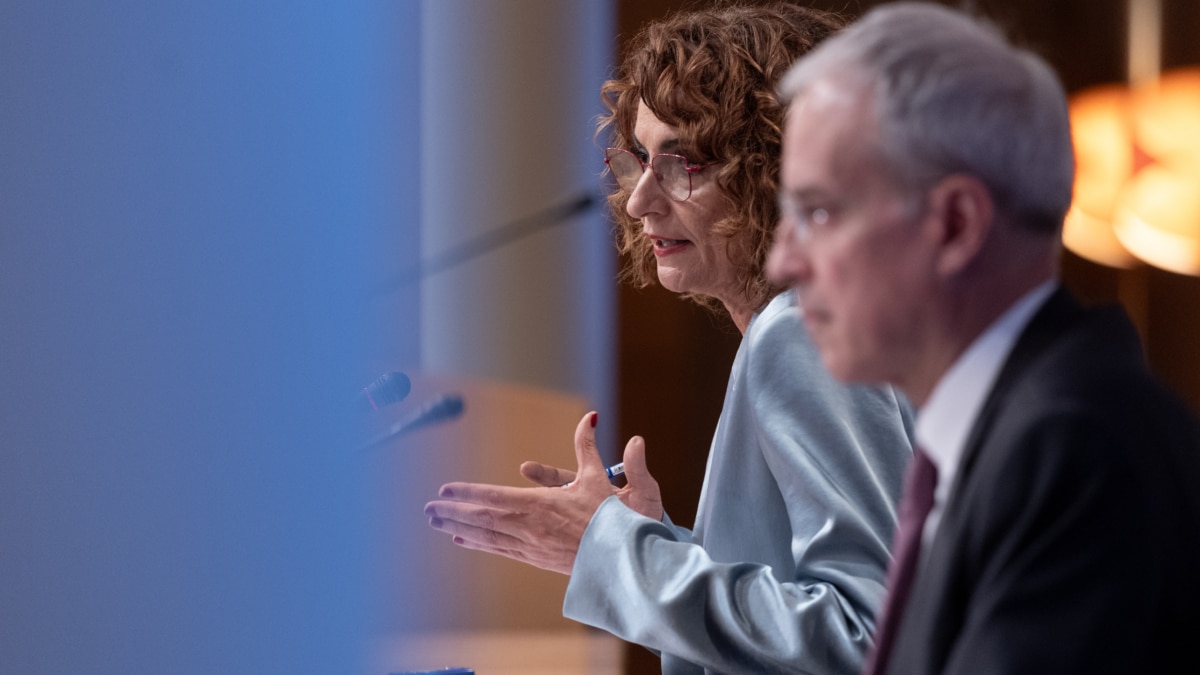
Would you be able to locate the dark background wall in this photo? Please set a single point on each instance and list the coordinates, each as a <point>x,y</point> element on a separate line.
<point>674,357</point>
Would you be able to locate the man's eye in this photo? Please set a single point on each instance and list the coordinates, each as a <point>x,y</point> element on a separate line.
<point>817,216</point>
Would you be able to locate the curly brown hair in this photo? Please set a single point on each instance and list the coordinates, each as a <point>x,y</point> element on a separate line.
<point>712,75</point>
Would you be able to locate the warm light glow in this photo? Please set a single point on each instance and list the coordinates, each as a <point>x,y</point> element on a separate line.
<point>1137,184</point>
<point>1159,219</point>
<point>1167,119</point>
<point>1104,155</point>
<point>1104,151</point>
<point>1094,239</point>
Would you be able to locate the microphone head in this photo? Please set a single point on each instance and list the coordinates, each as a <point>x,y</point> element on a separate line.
<point>387,389</point>
<point>447,407</point>
<point>442,409</point>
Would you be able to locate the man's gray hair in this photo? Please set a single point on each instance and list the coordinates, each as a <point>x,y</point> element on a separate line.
<point>951,95</point>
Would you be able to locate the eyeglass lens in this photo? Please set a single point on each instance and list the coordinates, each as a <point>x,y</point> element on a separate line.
<point>669,170</point>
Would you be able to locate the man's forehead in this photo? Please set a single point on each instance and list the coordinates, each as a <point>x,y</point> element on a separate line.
<point>833,92</point>
<point>828,138</point>
<point>825,114</point>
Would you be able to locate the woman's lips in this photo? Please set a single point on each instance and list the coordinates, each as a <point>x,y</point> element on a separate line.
<point>664,247</point>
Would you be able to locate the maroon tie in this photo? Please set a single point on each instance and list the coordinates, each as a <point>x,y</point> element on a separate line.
<point>919,483</point>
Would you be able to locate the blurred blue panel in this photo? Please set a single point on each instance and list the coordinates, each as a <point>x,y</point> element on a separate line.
<point>188,192</point>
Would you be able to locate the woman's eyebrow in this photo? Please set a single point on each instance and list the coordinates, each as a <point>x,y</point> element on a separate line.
<point>669,146</point>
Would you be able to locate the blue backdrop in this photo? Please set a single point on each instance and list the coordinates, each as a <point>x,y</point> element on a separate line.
<point>188,192</point>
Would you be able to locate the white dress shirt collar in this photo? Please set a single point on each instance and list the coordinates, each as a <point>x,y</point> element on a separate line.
<point>946,419</point>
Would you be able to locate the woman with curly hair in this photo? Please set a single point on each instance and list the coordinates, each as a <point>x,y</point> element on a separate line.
<point>784,569</point>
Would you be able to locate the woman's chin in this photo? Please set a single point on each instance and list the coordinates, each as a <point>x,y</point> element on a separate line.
<point>671,280</point>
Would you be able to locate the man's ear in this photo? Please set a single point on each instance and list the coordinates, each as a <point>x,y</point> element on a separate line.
<point>962,212</point>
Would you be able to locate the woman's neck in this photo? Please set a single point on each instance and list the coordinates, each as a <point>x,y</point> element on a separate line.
<point>741,314</point>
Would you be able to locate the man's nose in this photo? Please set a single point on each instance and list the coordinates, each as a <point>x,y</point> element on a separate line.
<point>787,262</point>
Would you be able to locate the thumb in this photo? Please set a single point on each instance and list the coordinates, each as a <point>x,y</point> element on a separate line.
<point>641,492</point>
<point>586,455</point>
<point>637,474</point>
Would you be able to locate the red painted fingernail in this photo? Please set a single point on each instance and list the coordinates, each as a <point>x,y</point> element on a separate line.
<point>446,492</point>
<point>435,523</point>
<point>595,418</point>
<point>458,540</point>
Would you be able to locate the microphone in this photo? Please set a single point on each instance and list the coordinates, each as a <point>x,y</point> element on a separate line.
<point>441,409</point>
<point>388,388</point>
<point>492,240</point>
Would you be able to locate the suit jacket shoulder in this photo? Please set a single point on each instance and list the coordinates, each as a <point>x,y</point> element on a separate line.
<point>1071,539</point>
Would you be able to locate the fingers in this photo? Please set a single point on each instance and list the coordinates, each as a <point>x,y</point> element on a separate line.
<point>585,454</point>
<point>496,496</point>
<point>478,527</point>
<point>546,475</point>
<point>541,537</point>
<point>471,515</point>
<point>480,537</point>
<point>488,540</point>
<point>538,525</point>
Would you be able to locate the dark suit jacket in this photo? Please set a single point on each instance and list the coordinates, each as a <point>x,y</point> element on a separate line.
<point>1071,540</point>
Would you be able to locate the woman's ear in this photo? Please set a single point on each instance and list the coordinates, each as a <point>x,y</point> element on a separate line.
<point>962,212</point>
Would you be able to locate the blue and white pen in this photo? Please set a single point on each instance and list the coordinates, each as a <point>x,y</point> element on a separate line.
<point>612,472</point>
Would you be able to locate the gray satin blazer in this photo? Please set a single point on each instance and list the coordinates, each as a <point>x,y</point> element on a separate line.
<point>784,570</point>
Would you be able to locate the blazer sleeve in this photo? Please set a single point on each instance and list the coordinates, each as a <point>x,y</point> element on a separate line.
<point>835,456</point>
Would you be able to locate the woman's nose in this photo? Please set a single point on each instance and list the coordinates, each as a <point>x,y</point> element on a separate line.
<point>647,196</point>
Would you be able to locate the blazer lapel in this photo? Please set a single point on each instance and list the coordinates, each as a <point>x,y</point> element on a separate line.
<point>1054,317</point>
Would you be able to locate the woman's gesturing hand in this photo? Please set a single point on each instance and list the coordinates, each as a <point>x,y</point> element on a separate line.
<point>540,526</point>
